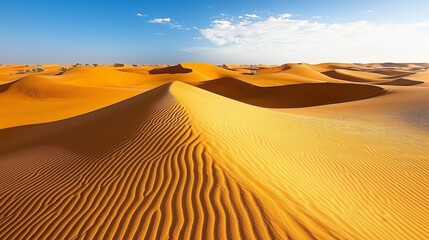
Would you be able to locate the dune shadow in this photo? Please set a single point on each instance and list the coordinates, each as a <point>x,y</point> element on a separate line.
<point>6,86</point>
<point>388,80</point>
<point>401,82</point>
<point>291,96</point>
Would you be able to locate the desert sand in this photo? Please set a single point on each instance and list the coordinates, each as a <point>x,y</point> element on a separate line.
<point>198,151</point>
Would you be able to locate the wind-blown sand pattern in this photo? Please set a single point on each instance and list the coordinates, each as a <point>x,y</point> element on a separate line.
<point>213,153</point>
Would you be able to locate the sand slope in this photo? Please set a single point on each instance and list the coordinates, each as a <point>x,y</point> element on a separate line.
<point>302,177</point>
<point>403,108</point>
<point>38,99</point>
<point>181,163</point>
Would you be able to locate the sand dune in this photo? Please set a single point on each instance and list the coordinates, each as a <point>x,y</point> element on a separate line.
<point>420,76</point>
<point>284,75</point>
<point>192,152</point>
<point>390,72</point>
<point>101,76</point>
<point>354,76</point>
<point>209,70</point>
<point>156,174</point>
<point>370,77</point>
<point>400,82</point>
<point>299,69</point>
<point>37,98</point>
<point>307,71</point>
<point>273,69</point>
<point>291,96</point>
<point>321,147</point>
<point>5,86</point>
<point>323,67</point>
<point>404,108</point>
<point>170,70</point>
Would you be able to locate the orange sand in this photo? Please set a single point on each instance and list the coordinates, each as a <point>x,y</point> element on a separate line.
<point>197,151</point>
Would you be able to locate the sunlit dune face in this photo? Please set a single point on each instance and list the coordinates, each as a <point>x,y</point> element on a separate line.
<point>198,151</point>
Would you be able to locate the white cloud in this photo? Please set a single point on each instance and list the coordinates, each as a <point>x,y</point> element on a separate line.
<point>317,17</point>
<point>178,26</point>
<point>367,11</point>
<point>279,39</point>
<point>141,15</point>
<point>167,21</point>
<point>160,20</point>
<point>251,15</point>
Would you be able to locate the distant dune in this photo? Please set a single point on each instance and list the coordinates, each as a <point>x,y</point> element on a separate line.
<point>197,151</point>
<point>170,70</point>
<point>370,77</point>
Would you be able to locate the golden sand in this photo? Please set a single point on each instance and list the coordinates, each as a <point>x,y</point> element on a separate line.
<point>196,151</point>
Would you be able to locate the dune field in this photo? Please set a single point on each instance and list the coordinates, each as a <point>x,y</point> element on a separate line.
<point>199,151</point>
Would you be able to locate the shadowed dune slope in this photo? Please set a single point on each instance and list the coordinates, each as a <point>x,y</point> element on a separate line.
<point>354,76</point>
<point>178,162</point>
<point>391,72</point>
<point>5,86</point>
<point>420,76</point>
<point>5,79</point>
<point>170,70</point>
<point>205,69</point>
<point>274,79</point>
<point>291,96</point>
<point>400,82</point>
<point>368,77</point>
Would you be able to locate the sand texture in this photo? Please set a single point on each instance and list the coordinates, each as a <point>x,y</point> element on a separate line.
<point>197,151</point>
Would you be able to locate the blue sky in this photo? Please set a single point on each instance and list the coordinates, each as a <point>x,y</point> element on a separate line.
<point>218,31</point>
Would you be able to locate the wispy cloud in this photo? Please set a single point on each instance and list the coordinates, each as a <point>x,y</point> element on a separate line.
<point>281,38</point>
<point>178,26</point>
<point>141,15</point>
<point>167,21</point>
<point>367,11</point>
<point>160,20</point>
<point>248,16</point>
<point>251,15</point>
